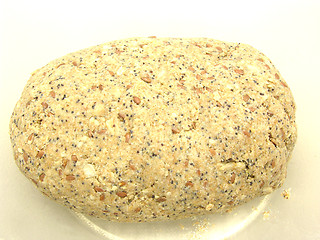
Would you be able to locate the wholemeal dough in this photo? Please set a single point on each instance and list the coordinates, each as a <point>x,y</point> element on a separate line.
<point>148,129</point>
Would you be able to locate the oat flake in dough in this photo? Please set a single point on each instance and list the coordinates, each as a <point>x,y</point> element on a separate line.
<point>146,129</point>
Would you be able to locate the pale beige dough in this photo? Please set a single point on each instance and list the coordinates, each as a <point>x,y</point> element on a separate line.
<point>146,129</point>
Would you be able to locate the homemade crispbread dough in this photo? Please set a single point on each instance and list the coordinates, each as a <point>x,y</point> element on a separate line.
<point>148,129</point>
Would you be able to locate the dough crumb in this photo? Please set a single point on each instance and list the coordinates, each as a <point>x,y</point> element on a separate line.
<point>200,229</point>
<point>181,226</point>
<point>266,215</point>
<point>286,194</point>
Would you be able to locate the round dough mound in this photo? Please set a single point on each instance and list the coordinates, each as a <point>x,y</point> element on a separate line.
<point>146,129</point>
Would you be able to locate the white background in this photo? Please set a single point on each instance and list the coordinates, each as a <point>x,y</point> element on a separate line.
<point>288,32</point>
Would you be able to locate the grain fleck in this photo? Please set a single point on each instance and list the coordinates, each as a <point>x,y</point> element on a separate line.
<point>40,154</point>
<point>121,194</point>
<point>189,184</point>
<point>41,177</point>
<point>70,177</point>
<point>52,94</point>
<point>136,100</point>
<point>219,49</point>
<point>175,130</point>
<point>239,71</point>
<point>161,199</point>
<point>146,79</point>
<point>74,158</point>
<point>98,189</point>
<point>127,137</point>
<point>247,133</point>
<point>44,105</point>
<point>246,97</point>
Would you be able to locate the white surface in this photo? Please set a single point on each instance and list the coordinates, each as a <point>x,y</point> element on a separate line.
<point>288,32</point>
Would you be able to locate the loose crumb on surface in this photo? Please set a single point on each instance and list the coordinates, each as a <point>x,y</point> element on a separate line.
<point>201,227</point>
<point>286,194</point>
<point>266,215</point>
<point>181,226</point>
<point>254,209</point>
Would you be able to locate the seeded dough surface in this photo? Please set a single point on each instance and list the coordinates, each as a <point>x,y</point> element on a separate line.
<point>148,129</point>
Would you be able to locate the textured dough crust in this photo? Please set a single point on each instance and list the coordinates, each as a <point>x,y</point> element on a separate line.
<point>147,129</point>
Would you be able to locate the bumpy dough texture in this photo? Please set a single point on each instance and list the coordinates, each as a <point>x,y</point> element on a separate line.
<point>148,129</point>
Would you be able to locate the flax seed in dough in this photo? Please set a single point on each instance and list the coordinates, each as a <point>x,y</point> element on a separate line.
<point>149,129</point>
